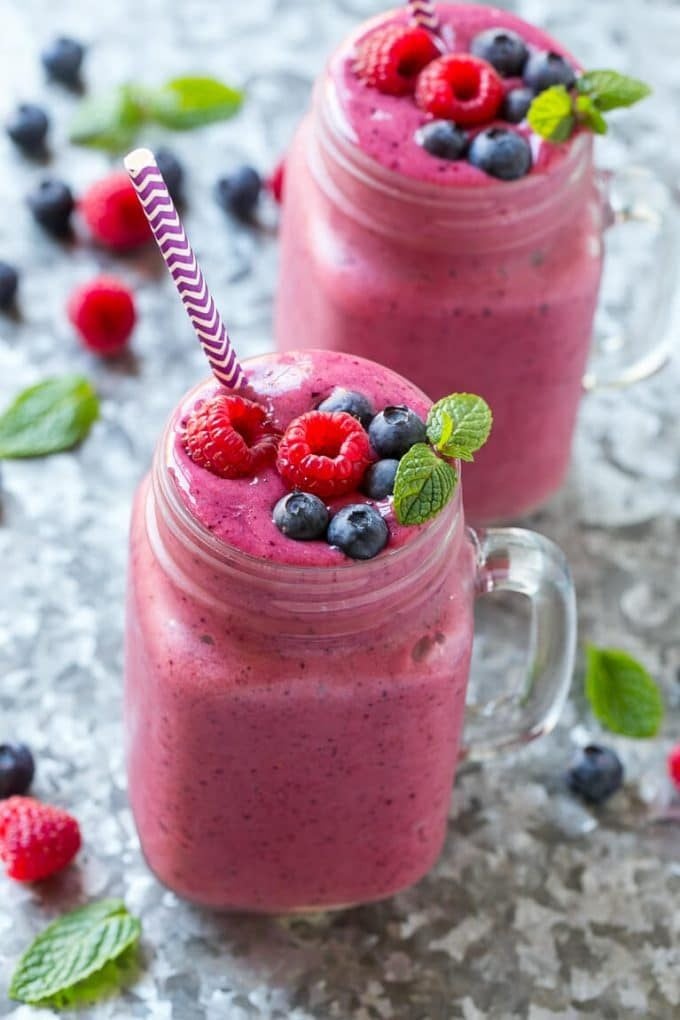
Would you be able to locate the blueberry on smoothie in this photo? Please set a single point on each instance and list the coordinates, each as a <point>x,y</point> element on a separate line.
<point>62,60</point>
<point>359,531</point>
<point>395,430</point>
<point>301,516</point>
<point>443,139</point>
<point>516,105</point>
<point>595,773</point>
<point>546,68</point>
<point>378,481</point>
<point>503,49</point>
<point>501,153</point>
<point>27,127</point>
<point>17,769</point>
<point>350,401</point>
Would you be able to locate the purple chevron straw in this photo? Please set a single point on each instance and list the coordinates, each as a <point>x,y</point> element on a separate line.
<point>178,255</point>
<point>423,12</point>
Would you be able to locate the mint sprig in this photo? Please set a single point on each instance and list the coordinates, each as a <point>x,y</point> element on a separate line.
<point>622,694</point>
<point>423,485</point>
<point>459,425</point>
<point>51,416</point>
<point>556,113</point>
<point>71,958</point>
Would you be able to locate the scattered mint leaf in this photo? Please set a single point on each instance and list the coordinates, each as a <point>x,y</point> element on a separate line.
<point>610,90</point>
<point>589,115</point>
<point>551,114</point>
<point>185,103</point>
<point>53,415</point>
<point>622,694</point>
<point>423,485</point>
<point>459,425</point>
<point>72,950</point>
<point>109,122</point>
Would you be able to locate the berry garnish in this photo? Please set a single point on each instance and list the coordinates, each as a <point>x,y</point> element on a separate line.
<point>674,766</point>
<point>461,88</point>
<point>114,214</point>
<point>275,181</point>
<point>27,127</point>
<point>230,436</point>
<point>544,69</point>
<point>353,403</point>
<point>503,49</point>
<point>62,60</point>
<point>103,312</point>
<point>516,105</point>
<point>325,453</point>
<point>443,139</point>
<point>172,172</point>
<point>36,840</point>
<point>595,773</point>
<point>395,430</point>
<point>359,531</point>
<point>378,481</point>
<point>302,516</point>
<point>17,769</point>
<point>239,192</point>
<point>501,153</point>
<point>9,282</point>
<point>391,58</point>
<point>52,204</point>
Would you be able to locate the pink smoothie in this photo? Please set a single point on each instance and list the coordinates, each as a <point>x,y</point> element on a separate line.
<point>456,280</point>
<point>293,716</point>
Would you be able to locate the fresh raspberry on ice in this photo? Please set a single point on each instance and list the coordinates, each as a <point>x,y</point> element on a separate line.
<point>230,436</point>
<point>103,312</point>
<point>114,214</point>
<point>391,58</point>
<point>275,182</point>
<point>325,453</point>
<point>674,765</point>
<point>460,88</point>
<point>36,840</point>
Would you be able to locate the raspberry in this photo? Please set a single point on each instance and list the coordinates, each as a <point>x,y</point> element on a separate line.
<point>230,436</point>
<point>325,453</point>
<point>391,58</point>
<point>103,312</point>
<point>275,181</point>
<point>461,88</point>
<point>114,215</point>
<point>36,840</point>
<point>674,765</point>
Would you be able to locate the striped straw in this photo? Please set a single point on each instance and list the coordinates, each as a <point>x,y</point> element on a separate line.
<point>424,14</point>
<point>185,271</point>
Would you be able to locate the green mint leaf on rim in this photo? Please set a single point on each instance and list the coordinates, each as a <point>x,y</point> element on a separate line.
<point>109,122</point>
<point>610,90</point>
<point>423,485</point>
<point>459,425</point>
<point>185,103</point>
<point>589,115</point>
<point>54,415</point>
<point>622,694</point>
<point>72,950</point>
<point>551,114</point>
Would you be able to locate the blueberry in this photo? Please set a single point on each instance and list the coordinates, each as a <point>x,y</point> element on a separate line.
<point>501,153</point>
<point>172,171</point>
<point>595,773</point>
<point>544,69</point>
<point>503,49</point>
<point>395,430</point>
<point>16,769</point>
<point>301,516</point>
<point>350,401</point>
<point>52,204</point>
<point>516,105</point>
<point>359,530</point>
<point>239,192</point>
<point>27,127</point>
<point>378,481</point>
<point>9,281</point>
<point>443,139</point>
<point>62,60</point>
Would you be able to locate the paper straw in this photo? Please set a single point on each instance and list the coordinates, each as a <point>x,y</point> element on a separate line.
<point>185,271</point>
<point>424,14</point>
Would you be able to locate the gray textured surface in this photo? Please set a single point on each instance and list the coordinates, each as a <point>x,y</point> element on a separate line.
<point>539,908</point>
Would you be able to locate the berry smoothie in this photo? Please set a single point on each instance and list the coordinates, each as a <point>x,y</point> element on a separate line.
<point>293,715</point>
<point>418,243</point>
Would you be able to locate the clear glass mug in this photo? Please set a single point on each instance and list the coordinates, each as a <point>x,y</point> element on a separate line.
<point>293,732</point>
<point>492,290</point>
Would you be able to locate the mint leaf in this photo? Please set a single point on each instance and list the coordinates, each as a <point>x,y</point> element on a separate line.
<point>72,950</point>
<point>551,114</point>
<point>589,115</point>
<point>459,425</point>
<point>190,102</point>
<point>423,485</point>
<point>109,122</point>
<point>622,694</point>
<point>54,415</point>
<point>610,90</point>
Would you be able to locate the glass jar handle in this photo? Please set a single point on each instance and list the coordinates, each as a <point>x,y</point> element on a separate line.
<point>638,340</point>
<point>512,559</point>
